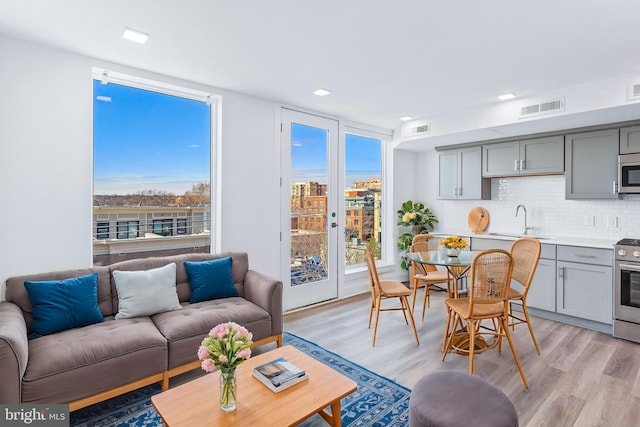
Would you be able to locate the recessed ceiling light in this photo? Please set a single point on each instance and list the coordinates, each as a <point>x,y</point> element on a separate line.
<point>406,118</point>
<point>135,36</point>
<point>506,96</point>
<point>321,92</point>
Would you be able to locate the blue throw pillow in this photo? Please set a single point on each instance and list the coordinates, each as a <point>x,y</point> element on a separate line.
<point>210,279</point>
<point>63,304</point>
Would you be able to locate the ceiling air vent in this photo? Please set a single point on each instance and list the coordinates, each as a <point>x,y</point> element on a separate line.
<point>542,108</point>
<point>634,92</point>
<point>416,129</point>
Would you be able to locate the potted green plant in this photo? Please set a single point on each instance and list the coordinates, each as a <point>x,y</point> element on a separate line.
<point>418,218</point>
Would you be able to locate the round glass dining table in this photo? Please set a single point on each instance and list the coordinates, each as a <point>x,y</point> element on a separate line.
<point>457,266</point>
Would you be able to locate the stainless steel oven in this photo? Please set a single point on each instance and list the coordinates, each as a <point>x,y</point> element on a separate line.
<point>627,290</point>
<point>629,173</point>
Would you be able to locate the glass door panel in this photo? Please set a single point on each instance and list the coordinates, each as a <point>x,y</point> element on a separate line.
<point>309,157</point>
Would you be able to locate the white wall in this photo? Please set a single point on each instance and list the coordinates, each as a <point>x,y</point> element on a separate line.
<point>544,198</point>
<point>45,159</point>
<point>46,164</point>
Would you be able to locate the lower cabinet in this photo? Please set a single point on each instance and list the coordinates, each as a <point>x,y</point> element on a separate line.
<point>585,291</point>
<point>569,280</point>
<point>542,292</point>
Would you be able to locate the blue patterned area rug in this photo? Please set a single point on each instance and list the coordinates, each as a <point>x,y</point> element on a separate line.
<point>377,402</point>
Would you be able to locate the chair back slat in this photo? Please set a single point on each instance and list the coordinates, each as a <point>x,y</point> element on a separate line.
<point>424,243</point>
<point>490,277</point>
<point>526,254</point>
<point>374,280</point>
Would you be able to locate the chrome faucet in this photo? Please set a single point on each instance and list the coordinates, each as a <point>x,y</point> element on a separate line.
<point>526,227</point>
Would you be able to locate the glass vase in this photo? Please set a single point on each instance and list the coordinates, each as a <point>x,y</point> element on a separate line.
<point>453,252</point>
<point>228,389</point>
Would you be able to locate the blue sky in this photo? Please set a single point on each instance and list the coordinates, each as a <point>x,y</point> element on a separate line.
<point>308,156</point>
<point>148,141</point>
<point>144,140</point>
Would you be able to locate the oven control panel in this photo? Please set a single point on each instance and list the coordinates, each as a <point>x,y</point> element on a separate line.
<point>627,253</point>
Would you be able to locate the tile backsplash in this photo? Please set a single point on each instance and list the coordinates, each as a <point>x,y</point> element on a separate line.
<point>547,211</point>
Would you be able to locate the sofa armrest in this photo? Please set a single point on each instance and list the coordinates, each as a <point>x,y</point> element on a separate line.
<point>14,352</point>
<point>266,292</point>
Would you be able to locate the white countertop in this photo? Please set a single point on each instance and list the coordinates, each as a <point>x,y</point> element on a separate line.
<point>551,240</point>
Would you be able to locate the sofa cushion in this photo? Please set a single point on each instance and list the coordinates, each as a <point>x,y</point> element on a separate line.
<point>16,292</point>
<point>63,304</point>
<point>146,292</point>
<point>210,279</point>
<point>185,329</point>
<point>80,362</point>
<point>239,268</point>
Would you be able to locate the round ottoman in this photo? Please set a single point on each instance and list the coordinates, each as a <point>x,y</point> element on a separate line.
<point>455,399</point>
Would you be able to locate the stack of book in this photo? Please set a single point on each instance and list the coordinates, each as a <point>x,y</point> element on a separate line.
<point>279,374</point>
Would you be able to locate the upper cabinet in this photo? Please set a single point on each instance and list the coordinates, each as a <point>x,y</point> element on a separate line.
<point>461,175</point>
<point>529,157</point>
<point>630,140</point>
<point>592,164</point>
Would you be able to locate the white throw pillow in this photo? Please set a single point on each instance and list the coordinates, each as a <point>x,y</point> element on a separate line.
<point>146,292</point>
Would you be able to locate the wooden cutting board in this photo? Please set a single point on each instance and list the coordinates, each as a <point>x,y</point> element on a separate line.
<point>478,219</point>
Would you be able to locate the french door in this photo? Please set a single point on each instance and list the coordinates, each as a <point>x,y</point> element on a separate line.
<point>310,223</point>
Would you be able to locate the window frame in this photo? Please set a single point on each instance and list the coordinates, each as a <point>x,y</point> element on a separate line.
<point>183,89</point>
<point>386,209</point>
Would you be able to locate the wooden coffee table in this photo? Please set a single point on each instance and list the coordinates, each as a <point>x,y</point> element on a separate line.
<point>197,403</point>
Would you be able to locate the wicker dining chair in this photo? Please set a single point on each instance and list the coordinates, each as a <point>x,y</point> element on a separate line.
<point>488,299</point>
<point>423,276</point>
<point>526,254</point>
<point>387,289</point>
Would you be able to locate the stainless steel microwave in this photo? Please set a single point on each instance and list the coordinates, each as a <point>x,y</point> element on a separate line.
<point>629,173</point>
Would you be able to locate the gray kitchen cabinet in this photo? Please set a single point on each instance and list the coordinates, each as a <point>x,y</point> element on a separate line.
<point>542,292</point>
<point>630,140</point>
<point>585,283</point>
<point>535,156</point>
<point>460,175</point>
<point>572,284</point>
<point>591,165</point>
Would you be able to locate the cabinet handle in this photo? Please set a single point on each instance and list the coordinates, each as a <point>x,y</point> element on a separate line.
<point>615,187</point>
<point>522,165</point>
<point>515,166</point>
<point>459,191</point>
<point>585,256</point>
<point>455,191</point>
<point>560,272</point>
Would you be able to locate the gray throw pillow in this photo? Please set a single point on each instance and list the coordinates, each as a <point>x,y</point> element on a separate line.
<point>146,292</point>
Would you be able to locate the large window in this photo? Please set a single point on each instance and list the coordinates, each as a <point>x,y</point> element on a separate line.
<point>362,197</point>
<point>152,158</point>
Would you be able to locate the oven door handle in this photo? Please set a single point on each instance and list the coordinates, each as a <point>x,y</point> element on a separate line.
<point>629,267</point>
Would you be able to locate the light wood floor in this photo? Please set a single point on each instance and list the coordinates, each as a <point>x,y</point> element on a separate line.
<point>582,378</point>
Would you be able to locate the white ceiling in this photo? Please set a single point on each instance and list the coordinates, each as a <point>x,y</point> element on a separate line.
<point>381,59</point>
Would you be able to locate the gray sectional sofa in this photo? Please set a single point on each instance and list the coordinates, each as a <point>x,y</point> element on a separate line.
<point>84,365</point>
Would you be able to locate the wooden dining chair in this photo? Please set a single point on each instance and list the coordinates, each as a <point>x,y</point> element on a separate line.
<point>488,299</point>
<point>425,275</point>
<point>526,254</point>
<point>387,289</point>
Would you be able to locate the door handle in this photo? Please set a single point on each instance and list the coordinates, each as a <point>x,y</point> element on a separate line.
<point>334,224</point>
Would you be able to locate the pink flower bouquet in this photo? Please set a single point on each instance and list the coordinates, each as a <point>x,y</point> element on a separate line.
<point>227,346</point>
